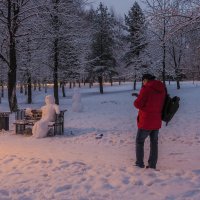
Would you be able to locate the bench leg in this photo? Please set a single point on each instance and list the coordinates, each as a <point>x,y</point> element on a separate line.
<point>58,129</point>
<point>62,128</point>
<point>19,128</point>
<point>54,130</point>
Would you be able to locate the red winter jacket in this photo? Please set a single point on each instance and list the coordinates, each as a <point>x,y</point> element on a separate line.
<point>150,102</point>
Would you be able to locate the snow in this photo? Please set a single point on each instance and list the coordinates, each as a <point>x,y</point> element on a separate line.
<point>77,166</point>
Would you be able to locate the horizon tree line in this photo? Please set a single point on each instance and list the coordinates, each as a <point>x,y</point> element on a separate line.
<point>60,41</point>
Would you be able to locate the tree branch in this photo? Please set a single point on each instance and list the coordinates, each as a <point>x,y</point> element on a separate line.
<point>4,59</point>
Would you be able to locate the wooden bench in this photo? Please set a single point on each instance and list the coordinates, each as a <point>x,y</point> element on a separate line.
<point>22,121</point>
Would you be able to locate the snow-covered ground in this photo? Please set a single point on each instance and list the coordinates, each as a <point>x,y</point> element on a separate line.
<point>77,166</point>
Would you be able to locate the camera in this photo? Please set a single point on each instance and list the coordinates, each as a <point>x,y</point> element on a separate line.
<point>134,94</point>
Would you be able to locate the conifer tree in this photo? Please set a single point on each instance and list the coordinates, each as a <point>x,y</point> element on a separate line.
<point>135,21</point>
<point>103,61</point>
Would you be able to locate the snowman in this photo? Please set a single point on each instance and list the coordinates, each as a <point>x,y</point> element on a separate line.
<point>77,105</point>
<point>49,111</point>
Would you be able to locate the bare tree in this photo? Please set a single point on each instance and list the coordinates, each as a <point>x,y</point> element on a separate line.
<point>158,14</point>
<point>13,15</point>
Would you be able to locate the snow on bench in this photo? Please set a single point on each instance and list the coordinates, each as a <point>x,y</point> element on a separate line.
<point>22,122</point>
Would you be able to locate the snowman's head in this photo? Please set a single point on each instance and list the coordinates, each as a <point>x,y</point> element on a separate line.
<point>49,99</point>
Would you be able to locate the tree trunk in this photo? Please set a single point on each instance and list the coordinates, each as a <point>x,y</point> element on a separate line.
<point>134,85</point>
<point>164,58</point>
<point>55,72</point>
<point>2,89</point>
<point>39,86</point>
<point>178,84</point>
<point>70,84</point>
<point>25,89</point>
<point>56,51</point>
<point>55,80</point>
<point>100,78</point>
<point>12,98</point>
<point>35,86</point>
<point>29,90</point>
<point>164,51</point>
<point>63,89</point>
<point>193,77</point>
<point>177,72</point>
<point>13,9</point>
<point>21,88</point>
<point>111,81</point>
<point>45,90</point>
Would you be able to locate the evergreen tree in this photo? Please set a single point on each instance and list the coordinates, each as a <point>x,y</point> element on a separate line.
<point>135,22</point>
<point>102,58</point>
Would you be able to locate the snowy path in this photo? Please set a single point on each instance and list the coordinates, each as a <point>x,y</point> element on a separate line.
<point>68,168</point>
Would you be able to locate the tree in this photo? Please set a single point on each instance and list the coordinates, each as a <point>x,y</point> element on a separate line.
<point>61,18</point>
<point>14,14</point>
<point>120,46</point>
<point>158,14</point>
<point>102,59</point>
<point>28,63</point>
<point>70,62</point>
<point>191,59</point>
<point>9,19</point>
<point>135,22</point>
<point>178,43</point>
<point>3,78</point>
<point>170,21</point>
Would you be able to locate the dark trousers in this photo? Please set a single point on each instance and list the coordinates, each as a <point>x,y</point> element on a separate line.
<point>153,155</point>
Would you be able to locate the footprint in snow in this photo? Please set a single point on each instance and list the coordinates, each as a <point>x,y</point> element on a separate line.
<point>4,193</point>
<point>63,188</point>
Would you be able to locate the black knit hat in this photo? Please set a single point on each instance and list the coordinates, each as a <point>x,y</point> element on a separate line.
<point>148,77</point>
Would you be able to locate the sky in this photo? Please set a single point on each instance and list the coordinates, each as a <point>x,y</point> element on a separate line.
<point>120,6</point>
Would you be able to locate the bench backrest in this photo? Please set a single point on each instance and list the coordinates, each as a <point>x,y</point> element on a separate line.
<point>21,114</point>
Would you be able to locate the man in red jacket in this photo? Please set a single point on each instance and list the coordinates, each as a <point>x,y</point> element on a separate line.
<point>150,103</point>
